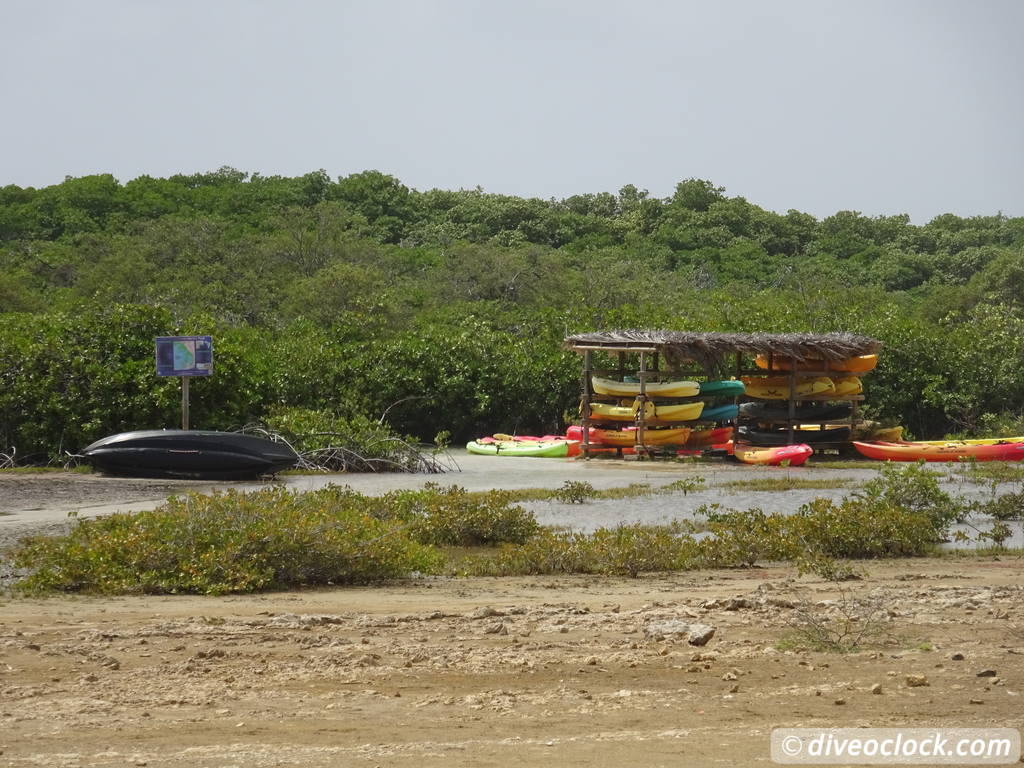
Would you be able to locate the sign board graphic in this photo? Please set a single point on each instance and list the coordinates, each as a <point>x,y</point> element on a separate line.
<point>184,355</point>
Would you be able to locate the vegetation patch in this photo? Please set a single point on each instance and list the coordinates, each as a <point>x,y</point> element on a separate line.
<point>843,625</point>
<point>784,483</point>
<point>843,464</point>
<point>275,538</point>
<point>988,472</point>
<point>326,442</point>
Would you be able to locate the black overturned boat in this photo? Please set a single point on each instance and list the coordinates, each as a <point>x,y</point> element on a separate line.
<point>196,454</point>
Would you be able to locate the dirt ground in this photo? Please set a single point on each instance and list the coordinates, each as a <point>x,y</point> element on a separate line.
<point>577,671</point>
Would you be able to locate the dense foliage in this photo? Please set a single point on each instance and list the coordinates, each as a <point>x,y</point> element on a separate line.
<point>446,309</point>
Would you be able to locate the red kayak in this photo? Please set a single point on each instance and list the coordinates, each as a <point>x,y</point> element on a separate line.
<point>948,451</point>
<point>773,456</point>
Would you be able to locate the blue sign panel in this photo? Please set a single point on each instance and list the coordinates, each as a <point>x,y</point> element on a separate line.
<point>184,355</point>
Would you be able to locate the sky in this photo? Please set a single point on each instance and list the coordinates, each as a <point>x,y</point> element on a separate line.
<point>879,106</point>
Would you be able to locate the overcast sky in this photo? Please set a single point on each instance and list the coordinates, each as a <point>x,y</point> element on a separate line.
<point>879,106</point>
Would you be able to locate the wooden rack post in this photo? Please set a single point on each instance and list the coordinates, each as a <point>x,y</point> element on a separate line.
<point>641,416</point>
<point>587,366</point>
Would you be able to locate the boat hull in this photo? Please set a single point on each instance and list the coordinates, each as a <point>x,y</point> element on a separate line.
<point>196,454</point>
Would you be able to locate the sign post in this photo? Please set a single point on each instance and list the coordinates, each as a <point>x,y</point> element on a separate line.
<point>184,356</point>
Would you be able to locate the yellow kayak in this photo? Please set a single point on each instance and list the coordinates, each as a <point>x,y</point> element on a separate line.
<point>777,387</point>
<point>848,385</point>
<point>859,364</point>
<point>627,437</point>
<point>682,412</point>
<point>653,388</point>
<point>979,441</point>
<point>612,412</point>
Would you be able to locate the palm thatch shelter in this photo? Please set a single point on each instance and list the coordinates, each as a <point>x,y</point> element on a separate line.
<point>662,354</point>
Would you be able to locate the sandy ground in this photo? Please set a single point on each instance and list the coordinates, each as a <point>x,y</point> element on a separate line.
<point>494,672</point>
<point>578,671</point>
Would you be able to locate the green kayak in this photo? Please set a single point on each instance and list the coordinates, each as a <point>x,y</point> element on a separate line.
<point>725,388</point>
<point>546,448</point>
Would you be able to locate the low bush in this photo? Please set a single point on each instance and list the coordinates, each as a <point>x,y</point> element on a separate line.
<point>454,517</point>
<point>1007,506</point>
<point>227,542</point>
<point>625,550</point>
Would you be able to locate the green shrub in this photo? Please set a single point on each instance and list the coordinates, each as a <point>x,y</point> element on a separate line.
<point>227,542</point>
<point>574,492</point>
<point>453,517</point>
<point>1007,506</point>
<point>915,488</point>
<point>626,550</point>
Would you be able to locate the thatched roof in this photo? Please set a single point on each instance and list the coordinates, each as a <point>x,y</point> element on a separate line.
<point>714,349</point>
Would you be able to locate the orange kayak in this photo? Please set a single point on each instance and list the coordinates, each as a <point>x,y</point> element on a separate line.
<point>627,437</point>
<point>859,364</point>
<point>951,451</point>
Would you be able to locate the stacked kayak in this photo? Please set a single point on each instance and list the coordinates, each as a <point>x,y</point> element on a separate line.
<point>859,364</point>
<point>706,438</point>
<point>627,437</point>
<point>653,388</point>
<point>806,413</point>
<point>833,434</point>
<point>680,412</point>
<point>723,388</point>
<point>778,387</point>
<point>1007,449</point>
<point>720,413</point>
<point>791,455</point>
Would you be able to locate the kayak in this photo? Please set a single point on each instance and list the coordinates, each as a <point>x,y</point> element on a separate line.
<point>704,438</point>
<point>859,364</point>
<point>612,412</point>
<point>793,455</point>
<point>720,413</point>
<point>541,448</point>
<point>781,436</point>
<point>627,437</point>
<point>575,432</point>
<point>724,388</point>
<point>806,413</point>
<point>941,451</point>
<point>653,388</point>
<point>682,412</point>
<point>978,441</point>
<point>847,385</point>
<point>777,387</point>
